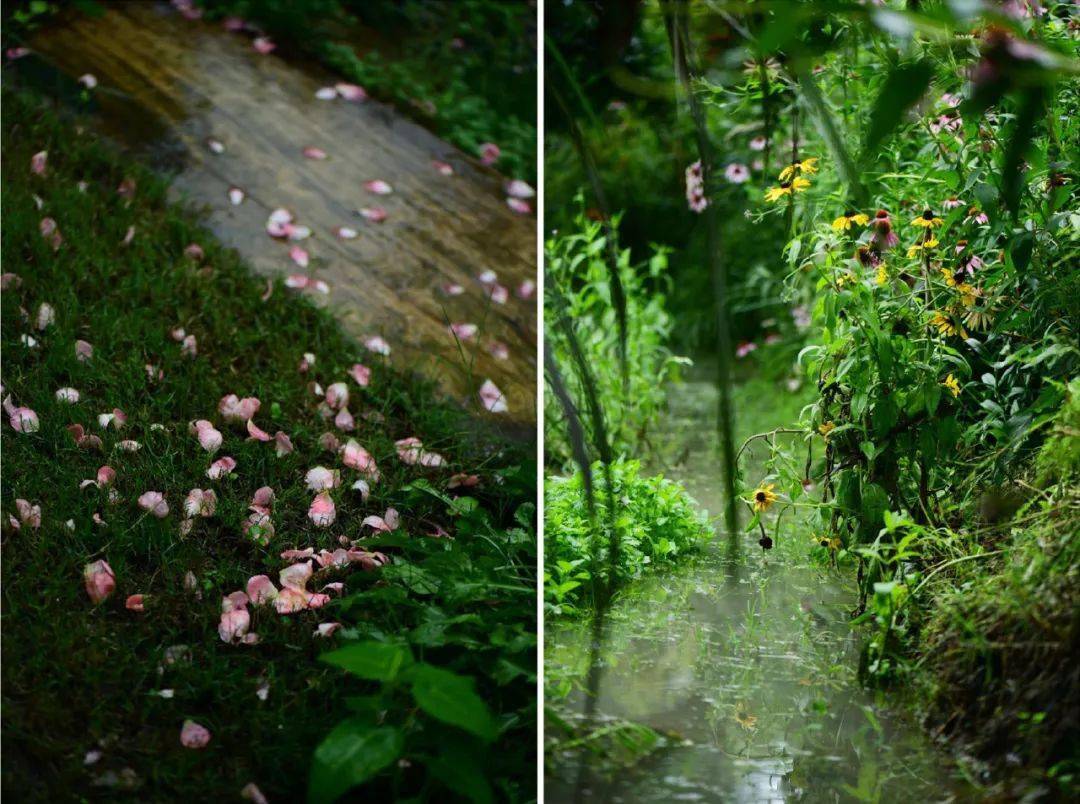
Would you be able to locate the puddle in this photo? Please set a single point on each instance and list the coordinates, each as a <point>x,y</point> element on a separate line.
<point>166,85</point>
<point>747,663</point>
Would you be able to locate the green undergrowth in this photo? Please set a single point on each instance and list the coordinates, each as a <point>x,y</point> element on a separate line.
<point>654,521</point>
<point>466,69</point>
<point>93,702</point>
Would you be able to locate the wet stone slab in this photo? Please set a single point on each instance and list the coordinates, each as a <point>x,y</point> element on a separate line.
<point>167,86</point>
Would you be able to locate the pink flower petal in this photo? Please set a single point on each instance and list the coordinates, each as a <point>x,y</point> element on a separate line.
<point>252,793</point>
<point>351,92</point>
<point>378,186</point>
<point>154,503</point>
<point>220,468</point>
<point>489,153</point>
<point>326,629</point>
<point>209,437</point>
<point>37,163</point>
<point>322,512</point>
<point>526,289</point>
<point>200,502</point>
<point>236,196</point>
<point>68,395</point>
<point>377,345</point>
<point>299,256</point>
<point>258,527</point>
<point>192,735</point>
<point>492,398</point>
<point>444,168</point>
<point>135,603</point>
<point>374,214</point>
<point>255,434</point>
<point>194,252</point>
<point>345,233</point>
<point>106,475</point>
<point>519,189</point>
<point>499,350</point>
<point>464,331</point>
<point>263,45</point>
<point>88,80</point>
<point>215,145</point>
<point>282,444</point>
<point>235,409</point>
<point>411,451</point>
<point>318,154</point>
<point>261,590</point>
<point>498,294</point>
<point>519,206</point>
<point>29,514</point>
<point>356,457</point>
<point>320,478</point>
<point>344,420</point>
<point>234,625</point>
<point>83,351</point>
<point>337,395</point>
<point>326,93</point>
<point>361,374</point>
<point>99,580</point>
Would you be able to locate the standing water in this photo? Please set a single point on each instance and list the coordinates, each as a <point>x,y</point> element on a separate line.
<point>743,661</point>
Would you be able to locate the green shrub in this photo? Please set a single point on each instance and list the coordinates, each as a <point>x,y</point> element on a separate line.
<point>579,288</point>
<point>654,519</point>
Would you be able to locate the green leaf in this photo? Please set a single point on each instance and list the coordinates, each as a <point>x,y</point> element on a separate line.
<point>452,699</point>
<point>375,661</point>
<point>350,755</point>
<point>459,770</point>
<point>903,87</point>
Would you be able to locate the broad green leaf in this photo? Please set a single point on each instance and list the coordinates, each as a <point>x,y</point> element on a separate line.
<point>459,770</point>
<point>903,87</point>
<point>452,699</point>
<point>376,661</point>
<point>350,755</point>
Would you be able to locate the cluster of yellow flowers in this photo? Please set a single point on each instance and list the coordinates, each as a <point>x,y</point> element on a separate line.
<point>791,179</point>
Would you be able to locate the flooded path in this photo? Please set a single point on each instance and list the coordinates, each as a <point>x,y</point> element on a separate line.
<point>167,86</point>
<point>745,662</point>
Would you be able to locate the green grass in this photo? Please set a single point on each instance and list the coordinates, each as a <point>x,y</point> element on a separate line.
<point>79,677</point>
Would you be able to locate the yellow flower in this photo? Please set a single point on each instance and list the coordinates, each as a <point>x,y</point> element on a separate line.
<point>943,324</point>
<point>845,278</point>
<point>882,274</point>
<point>807,166</point>
<point>927,220</point>
<point>764,496</point>
<point>953,386</point>
<point>946,274</point>
<point>926,244</point>
<point>799,184</point>
<point>913,250</point>
<point>826,428</point>
<point>931,243</point>
<point>776,193</point>
<point>968,294</point>
<point>843,223</point>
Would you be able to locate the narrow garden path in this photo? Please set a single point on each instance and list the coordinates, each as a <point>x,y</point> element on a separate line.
<point>204,102</point>
<point>744,660</point>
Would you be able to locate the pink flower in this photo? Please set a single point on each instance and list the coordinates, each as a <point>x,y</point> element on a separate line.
<point>255,433</point>
<point>489,153</point>
<point>492,398</point>
<point>192,735</point>
<point>737,173</point>
<point>135,603</point>
<point>952,203</point>
<point>744,348</point>
<point>526,289</point>
<point>220,468</point>
<point>154,502</point>
<point>351,92</point>
<point>322,512</point>
<point>99,580</point>
<point>758,143</point>
<point>263,45</point>
<point>378,186</point>
<point>37,163</point>
<point>194,252</point>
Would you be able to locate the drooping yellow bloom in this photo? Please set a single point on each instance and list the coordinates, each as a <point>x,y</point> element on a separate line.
<point>826,428</point>
<point>807,166</point>
<point>796,185</point>
<point>947,275</point>
<point>969,294</point>
<point>943,324</point>
<point>953,386</point>
<point>927,220</point>
<point>764,496</point>
<point>882,274</point>
<point>843,223</point>
<point>926,244</point>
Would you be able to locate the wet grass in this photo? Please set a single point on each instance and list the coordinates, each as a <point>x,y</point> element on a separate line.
<point>80,678</point>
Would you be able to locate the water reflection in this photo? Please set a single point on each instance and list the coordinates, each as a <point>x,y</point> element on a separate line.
<point>747,668</point>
